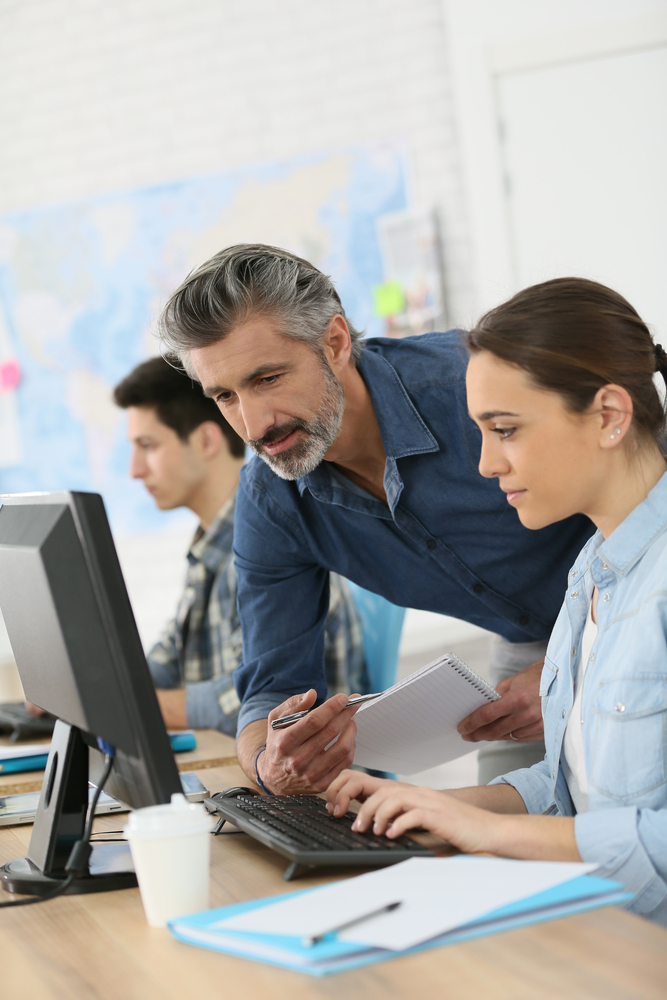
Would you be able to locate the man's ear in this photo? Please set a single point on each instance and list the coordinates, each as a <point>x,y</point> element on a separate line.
<point>614,406</point>
<point>337,343</point>
<point>207,439</point>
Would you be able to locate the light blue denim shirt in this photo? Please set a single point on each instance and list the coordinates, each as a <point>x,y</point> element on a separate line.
<point>624,705</point>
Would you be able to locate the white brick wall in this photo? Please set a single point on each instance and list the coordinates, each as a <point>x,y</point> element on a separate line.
<point>99,96</point>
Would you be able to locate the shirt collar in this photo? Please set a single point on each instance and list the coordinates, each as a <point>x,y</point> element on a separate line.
<point>628,543</point>
<point>402,429</point>
<point>207,545</point>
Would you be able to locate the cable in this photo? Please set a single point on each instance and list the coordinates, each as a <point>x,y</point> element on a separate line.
<point>80,853</point>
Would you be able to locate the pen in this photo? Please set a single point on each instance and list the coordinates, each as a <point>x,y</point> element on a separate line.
<point>316,938</point>
<point>287,720</point>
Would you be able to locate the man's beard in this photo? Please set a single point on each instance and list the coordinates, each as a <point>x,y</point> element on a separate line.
<point>317,435</point>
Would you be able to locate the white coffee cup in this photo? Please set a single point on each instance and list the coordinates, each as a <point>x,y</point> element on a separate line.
<point>171,852</point>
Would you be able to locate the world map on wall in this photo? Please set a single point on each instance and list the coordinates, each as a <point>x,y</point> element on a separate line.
<point>81,286</point>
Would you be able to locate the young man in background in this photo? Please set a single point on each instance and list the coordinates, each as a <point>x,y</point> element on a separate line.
<point>188,456</point>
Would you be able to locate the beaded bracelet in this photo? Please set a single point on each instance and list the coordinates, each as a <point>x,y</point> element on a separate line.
<point>257,777</point>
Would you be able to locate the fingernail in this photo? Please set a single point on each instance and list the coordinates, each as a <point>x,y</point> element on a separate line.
<point>356,825</point>
<point>329,807</point>
<point>337,811</point>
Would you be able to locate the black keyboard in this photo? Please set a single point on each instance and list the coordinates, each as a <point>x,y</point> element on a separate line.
<point>300,828</point>
<point>16,720</point>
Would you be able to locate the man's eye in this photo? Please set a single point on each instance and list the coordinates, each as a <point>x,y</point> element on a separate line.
<point>269,379</point>
<point>223,397</point>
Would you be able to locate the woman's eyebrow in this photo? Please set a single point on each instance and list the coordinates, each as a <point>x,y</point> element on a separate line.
<point>492,414</point>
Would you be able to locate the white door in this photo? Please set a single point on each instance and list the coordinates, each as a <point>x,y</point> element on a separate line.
<point>585,154</point>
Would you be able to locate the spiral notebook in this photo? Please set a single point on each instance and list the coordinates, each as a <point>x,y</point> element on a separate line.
<point>412,725</point>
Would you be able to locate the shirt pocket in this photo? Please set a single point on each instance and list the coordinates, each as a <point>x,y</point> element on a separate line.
<point>547,678</point>
<point>629,718</point>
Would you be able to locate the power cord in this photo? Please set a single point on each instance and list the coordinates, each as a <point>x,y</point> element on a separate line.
<point>77,862</point>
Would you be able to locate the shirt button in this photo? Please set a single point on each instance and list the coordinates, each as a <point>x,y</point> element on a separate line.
<point>431,543</point>
<point>592,656</point>
<point>574,651</point>
<point>478,588</point>
<point>562,714</point>
<point>574,594</point>
<point>604,566</point>
<point>607,597</point>
<point>573,573</point>
<point>620,707</point>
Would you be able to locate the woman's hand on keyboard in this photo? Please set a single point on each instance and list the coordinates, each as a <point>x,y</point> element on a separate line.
<point>394,807</point>
<point>355,785</point>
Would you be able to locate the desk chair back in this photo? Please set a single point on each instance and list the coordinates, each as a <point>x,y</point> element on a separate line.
<point>381,624</point>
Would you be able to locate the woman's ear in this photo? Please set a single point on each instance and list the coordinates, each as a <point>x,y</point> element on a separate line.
<point>613,403</point>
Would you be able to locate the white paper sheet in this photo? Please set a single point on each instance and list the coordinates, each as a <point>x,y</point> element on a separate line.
<point>17,750</point>
<point>436,894</point>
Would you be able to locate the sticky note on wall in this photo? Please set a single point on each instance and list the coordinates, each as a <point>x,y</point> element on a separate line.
<point>388,299</point>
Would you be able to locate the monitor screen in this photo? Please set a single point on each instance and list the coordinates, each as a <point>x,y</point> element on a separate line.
<point>75,640</point>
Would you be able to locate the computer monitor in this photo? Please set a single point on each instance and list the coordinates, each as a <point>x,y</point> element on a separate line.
<point>79,655</point>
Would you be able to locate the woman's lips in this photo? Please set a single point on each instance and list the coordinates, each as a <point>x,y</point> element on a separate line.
<point>513,495</point>
<point>277,446</point>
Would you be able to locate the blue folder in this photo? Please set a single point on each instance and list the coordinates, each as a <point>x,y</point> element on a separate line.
<point>179,741</point>
<point>23,762</point>
<point>331,955</point>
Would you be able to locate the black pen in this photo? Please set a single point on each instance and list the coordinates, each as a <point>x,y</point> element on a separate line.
<point>287,720</point>
<point>316,938</point>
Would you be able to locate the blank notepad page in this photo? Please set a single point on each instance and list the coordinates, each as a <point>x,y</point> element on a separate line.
<point>412,726</point>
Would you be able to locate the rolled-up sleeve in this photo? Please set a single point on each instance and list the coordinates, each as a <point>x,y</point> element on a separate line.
<point>212,704</point>
<point>534,785</point>
<point>630,845</point>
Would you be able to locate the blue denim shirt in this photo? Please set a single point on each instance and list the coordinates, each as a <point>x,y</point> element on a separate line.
<point>624,704</point>
<point>201,647</point>
<point>445,541</point>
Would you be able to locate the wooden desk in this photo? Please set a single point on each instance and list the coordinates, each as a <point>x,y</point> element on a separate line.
<point>213,750</point>
<point>99,947</point>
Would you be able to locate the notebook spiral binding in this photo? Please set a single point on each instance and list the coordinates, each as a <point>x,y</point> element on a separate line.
<point>473,678</point>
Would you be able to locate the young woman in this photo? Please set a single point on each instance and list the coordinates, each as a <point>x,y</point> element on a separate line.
<point>560,383</point>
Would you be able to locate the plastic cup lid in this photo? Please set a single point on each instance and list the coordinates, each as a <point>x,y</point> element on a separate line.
<point>177,819</point>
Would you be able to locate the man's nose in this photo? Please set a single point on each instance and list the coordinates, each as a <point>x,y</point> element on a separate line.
<point>257,418</point>
<point>137,464</point>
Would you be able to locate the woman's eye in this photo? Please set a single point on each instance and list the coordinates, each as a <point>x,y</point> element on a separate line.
<point>504,432</point>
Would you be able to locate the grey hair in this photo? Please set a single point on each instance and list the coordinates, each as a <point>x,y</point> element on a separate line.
<point>246,280</point>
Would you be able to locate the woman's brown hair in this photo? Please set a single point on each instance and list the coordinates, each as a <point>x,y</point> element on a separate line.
<point>574,336</point>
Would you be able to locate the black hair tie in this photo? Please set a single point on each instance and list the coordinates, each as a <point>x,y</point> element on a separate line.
<point>660,357</point>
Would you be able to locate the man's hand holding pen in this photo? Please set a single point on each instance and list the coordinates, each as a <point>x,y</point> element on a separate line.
<point>311,752</point>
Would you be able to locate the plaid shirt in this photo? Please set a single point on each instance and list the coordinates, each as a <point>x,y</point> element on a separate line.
<point>201,647</point>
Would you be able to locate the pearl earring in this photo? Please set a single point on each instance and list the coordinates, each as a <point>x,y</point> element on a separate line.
<point>613,436</point>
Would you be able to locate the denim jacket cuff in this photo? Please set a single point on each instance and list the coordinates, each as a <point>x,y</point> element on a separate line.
<point>533,784</point>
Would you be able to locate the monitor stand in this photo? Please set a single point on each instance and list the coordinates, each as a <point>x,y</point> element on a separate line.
<point>59,823</point>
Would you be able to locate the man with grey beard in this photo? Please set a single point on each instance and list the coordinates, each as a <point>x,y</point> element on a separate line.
<point>369,469</point>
